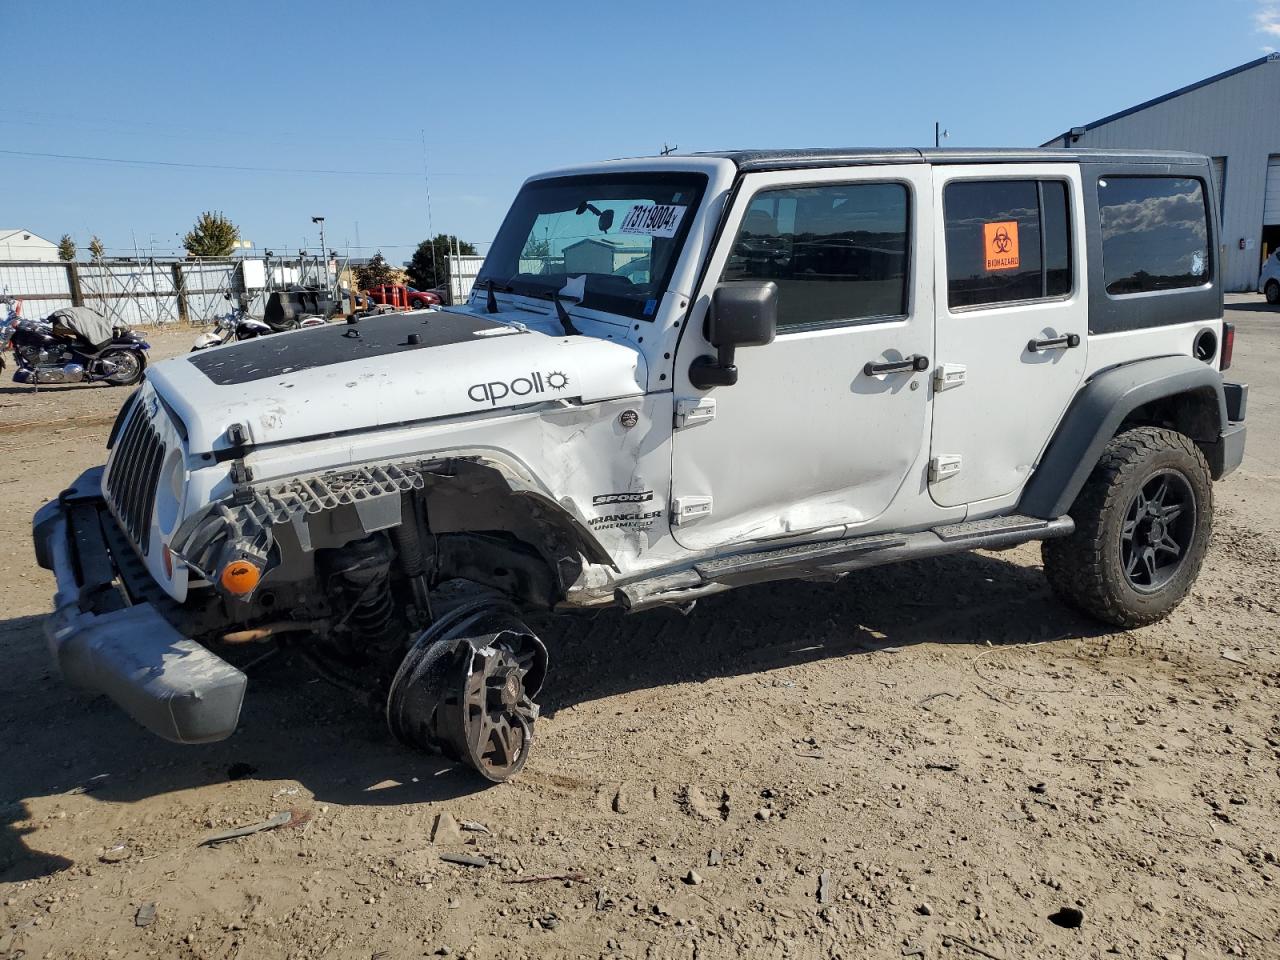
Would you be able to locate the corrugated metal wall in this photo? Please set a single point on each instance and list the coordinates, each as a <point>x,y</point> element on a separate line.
<point>1271,205</point>
<point>1237,117</point>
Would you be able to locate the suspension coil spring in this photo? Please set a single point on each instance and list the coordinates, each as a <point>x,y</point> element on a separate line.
<point>373,610</point>
<point>363,572</point>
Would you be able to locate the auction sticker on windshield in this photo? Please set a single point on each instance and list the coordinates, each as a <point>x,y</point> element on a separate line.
<point>653,219</point>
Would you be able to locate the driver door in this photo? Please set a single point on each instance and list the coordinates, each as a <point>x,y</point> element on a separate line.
<point>827,425</point>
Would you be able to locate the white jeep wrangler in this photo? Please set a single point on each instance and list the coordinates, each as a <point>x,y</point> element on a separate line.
<point>675,375</point>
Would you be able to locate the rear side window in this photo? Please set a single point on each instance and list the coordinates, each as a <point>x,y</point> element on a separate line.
<point>1155,233</point>
<point>837,253</point>
<point>1007,241</point>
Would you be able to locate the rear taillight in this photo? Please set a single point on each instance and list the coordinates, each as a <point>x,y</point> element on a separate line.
<point>1228,345</point>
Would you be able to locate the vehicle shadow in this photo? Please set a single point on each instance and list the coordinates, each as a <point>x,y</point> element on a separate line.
<point>1252,306</point>
<point>298,728</point>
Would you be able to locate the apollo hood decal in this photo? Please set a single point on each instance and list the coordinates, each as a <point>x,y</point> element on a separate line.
<point>475,375</point>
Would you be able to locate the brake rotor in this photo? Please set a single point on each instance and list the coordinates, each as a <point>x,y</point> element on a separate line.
<point>465,689</point>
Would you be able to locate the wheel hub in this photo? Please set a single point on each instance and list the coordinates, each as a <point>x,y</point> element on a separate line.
<point>1157,531</point>
<point>465,689</point>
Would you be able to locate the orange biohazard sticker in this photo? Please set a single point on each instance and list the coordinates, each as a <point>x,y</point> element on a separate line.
<point>1000,245</point>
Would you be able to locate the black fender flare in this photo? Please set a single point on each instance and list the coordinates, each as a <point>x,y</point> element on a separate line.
<point>1096,415</point>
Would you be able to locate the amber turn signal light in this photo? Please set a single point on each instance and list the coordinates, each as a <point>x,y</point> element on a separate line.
<point>239,577</point>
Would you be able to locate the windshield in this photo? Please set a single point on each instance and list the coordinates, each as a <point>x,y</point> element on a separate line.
<point>621,232</point>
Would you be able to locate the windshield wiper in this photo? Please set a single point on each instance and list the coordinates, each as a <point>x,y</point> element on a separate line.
<point>566,322</point>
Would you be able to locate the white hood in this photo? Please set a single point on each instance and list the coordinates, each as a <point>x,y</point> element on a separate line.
<point>399,369</point>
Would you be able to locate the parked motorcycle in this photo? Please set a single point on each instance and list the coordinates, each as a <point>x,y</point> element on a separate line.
<point>238,325</point>
<point>72,345</point>
<point>231,327</point>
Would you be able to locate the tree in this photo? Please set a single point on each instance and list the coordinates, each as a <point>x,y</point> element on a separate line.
<point>375,273</point>
<point>212,236</point>
<point>96,249</point>
<point>426,272</point>
<point>66,248</point>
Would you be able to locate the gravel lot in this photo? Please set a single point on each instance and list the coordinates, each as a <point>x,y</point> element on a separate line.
<point>932,757</point>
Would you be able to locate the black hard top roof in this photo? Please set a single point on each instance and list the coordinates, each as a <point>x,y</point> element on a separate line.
<point>757,160</point>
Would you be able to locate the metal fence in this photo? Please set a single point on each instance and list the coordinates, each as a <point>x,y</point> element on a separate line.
<point>152,291</point>
<point>462,276</point>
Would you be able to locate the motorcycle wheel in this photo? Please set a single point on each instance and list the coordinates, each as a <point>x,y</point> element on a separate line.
<point>129,365</point>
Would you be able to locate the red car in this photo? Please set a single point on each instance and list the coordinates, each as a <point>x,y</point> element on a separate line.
<point>402,296</point>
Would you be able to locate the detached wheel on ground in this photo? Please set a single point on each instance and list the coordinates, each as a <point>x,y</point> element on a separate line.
<point>466,687</point>
<point>124,367</point>
<point>1272,291</point>
<point>1143,522</point>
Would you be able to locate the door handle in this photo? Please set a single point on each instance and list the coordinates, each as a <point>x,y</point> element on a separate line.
<point>916,362</point>
<point>1064,342</point>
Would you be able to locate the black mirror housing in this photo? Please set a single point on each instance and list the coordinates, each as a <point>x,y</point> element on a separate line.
<point>744,313</point>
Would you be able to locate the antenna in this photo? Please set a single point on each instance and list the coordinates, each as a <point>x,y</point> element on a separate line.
<point>431,230</point>
<point>668,151</point>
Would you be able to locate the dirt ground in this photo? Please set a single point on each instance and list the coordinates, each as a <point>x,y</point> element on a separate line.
<point>933,759</point>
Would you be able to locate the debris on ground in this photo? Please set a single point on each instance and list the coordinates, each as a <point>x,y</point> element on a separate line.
<point>544,877</point>
<point>464,860</point>
<point>90,785</point>
<point>824,887</point>
<point>285,818</point>
<point>116,854</point>
<point>445,831</point>
<point>145,916</point>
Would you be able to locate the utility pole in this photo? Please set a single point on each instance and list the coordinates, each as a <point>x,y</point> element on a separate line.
<point>939,134</point>
<point>324,256</point>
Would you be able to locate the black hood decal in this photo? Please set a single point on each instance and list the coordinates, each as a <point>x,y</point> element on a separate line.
<point>285,353</point>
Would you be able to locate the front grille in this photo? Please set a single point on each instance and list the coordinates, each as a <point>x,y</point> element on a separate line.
<point>132,474</point>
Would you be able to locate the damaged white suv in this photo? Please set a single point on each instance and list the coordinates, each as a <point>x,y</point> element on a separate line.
<point>675,376</point>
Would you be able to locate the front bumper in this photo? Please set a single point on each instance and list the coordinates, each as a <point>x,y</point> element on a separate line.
<point>170,684</point>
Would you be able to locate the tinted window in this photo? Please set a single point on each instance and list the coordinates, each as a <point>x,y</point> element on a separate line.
<point>1007,240</point>
<point>1057,238</point>
<point>1155,233</point>
<point>836,252</point>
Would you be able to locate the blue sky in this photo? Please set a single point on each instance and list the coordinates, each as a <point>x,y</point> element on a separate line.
<point>504,90</point>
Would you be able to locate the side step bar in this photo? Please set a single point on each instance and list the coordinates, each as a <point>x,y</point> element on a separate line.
<point>832,560</point>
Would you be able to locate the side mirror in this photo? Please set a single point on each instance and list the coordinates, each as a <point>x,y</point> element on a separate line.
<point>744,313</point>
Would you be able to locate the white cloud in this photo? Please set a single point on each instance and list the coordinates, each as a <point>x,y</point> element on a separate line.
<point>1267,19</point>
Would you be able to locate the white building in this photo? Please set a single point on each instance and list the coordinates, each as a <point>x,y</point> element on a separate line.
<point>19,244</point>
<point>1234,118</point>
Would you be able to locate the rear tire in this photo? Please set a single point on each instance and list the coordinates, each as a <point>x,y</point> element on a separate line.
<point>1143,523</point>
<point>1272,291</point>
<point>132,364</point>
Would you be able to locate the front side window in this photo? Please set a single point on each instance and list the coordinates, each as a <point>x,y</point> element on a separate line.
<point>1155,233</point>
<point>620,233</point>
<point>1007,241</point>
<point>837,253</point>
